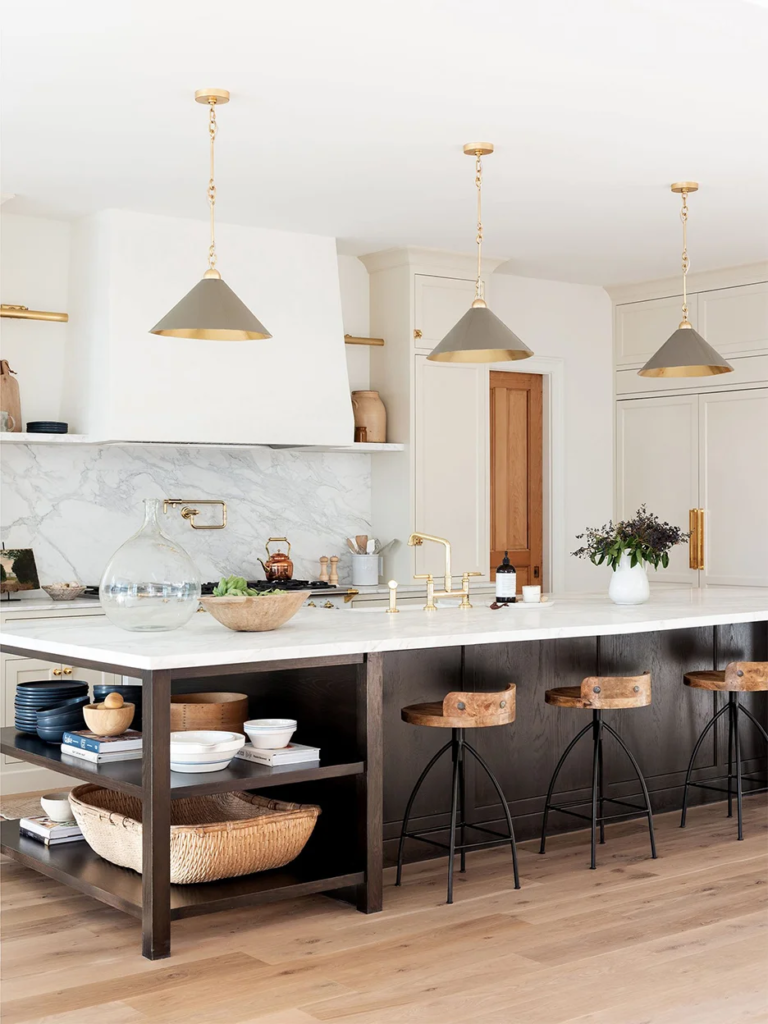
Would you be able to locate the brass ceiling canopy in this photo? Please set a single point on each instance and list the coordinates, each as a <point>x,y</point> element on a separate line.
<point>211,310</point>
<point>685,353</point>
<point>479,337</point>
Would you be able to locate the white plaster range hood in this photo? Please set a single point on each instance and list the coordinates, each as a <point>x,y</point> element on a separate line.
<point>124,383</point>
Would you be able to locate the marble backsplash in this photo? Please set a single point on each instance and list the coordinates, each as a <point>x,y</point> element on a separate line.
<point>75,505</point>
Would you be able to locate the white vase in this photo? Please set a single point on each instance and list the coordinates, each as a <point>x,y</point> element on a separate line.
<point>629,584</point>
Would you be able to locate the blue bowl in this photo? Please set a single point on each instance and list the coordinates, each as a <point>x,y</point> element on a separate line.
<point>69,707</point>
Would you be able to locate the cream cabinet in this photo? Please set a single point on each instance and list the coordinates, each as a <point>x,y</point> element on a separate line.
<point>706,451</point>
<point>640,328</point>
<point>735,320</point>
<point>438,304</point>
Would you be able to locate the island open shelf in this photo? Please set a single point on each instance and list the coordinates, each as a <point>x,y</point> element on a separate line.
<point>125,776</point>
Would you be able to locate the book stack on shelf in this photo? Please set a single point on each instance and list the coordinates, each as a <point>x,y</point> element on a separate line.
<point>102,749</point>
<point>50,832</point>
<point>294,753</point>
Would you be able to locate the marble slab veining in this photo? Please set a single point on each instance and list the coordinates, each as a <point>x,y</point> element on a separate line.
<point>74,506</point>
<point>316,633</point>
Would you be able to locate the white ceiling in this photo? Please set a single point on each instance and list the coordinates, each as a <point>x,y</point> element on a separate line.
<point>347,118</point>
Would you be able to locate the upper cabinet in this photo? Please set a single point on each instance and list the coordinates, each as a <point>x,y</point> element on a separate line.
<point>438,304</point>
<point>735,320</point>
<point>643,327</point>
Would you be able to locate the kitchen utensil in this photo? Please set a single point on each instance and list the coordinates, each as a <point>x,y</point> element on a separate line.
<point>270,733</point>
<point>362,543</point>
<point>56,806</point>
<point>255,614</point>
<point>333,578</point>
<point>278,566</point>
<point>366,570</point>
<point>371,547</point>
<point>64,591</point>
<point>7,422</point>
<point>323,577</point>
<point>108,721</point>
<point>352,546</point>
<point>9,395</point>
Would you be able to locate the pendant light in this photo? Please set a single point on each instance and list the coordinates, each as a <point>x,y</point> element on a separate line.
<point>685,353</point>
<point>479,337</point>
<point>211,310</point>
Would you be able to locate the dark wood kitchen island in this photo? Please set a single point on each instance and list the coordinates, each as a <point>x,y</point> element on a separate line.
<point>344,676</point>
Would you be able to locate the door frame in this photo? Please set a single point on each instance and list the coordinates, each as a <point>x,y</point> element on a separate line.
<point>554,545</point>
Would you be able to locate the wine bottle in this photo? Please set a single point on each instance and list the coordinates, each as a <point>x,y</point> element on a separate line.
<point>506,582</point>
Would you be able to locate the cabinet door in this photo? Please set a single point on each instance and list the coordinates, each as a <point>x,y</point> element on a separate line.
<point>735,320</point>
<point>451,444</point>
<point>657,451</point>
<point>733,431</point>
<point>15,671</point>
<point>438,304</point>
<point>642,327</point>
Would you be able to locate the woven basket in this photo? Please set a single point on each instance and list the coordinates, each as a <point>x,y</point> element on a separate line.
<point>212,837</point>
<point>218,711</point>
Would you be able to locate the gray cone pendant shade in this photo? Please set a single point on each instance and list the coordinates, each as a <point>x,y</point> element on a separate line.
<point>685,353</point>
<point>211,310</point>
<point>479,337</point>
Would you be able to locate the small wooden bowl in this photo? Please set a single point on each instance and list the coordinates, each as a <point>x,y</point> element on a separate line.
<point>108,721</point>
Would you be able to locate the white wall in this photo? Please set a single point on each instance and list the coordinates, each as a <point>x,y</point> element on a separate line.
<point>34,272</point>
<point>573,323</point>
<point>356,315</point>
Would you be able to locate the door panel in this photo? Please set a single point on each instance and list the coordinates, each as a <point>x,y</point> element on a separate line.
<point>735,319</point>
<point>657,464</point>
<point>733,431</point>
<point>15,671</point>
<point>643,327</point>
<point>516,473</point>
<point>439,303</point>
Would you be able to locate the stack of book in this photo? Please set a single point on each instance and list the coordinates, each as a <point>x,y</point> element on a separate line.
<point>102,749</point>
<point>294,753</point>
<point>50,832</point>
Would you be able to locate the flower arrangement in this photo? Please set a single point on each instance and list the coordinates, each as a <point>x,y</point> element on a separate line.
<point>644,538</point>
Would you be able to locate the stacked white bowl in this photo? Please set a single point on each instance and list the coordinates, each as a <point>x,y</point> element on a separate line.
<point>270,733</point>
<point>204,750</point>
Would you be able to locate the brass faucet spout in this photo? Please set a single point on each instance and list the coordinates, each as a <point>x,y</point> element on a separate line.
<point>417,539</point>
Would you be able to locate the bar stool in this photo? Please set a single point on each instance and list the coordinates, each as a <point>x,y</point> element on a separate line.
<point>457,712</point>
<point>600,693</point>
<point>737,678</point>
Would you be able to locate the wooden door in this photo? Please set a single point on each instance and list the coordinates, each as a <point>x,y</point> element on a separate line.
<point>657,446</point>
<point>516,473</point>
<point>733,470</point>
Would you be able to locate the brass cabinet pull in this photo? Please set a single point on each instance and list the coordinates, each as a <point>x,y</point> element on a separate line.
<point>417,333</point>
<point>696,539</point>
<point>57,672</point>
<point>67,671</point>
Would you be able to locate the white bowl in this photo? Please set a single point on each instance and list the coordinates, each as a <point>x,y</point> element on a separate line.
<point>188,768</point>
<point>270,733</point>
<point>203,741</point>
<point>56,806</point>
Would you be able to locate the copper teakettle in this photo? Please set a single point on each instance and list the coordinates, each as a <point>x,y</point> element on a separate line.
<point>278,566</point>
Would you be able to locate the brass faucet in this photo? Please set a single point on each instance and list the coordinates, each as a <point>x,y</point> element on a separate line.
<point>416,540</point>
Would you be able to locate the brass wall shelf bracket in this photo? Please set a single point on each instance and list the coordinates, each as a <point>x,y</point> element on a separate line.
<point>23,313</point>
<point>350,340</point>
<point>189,513</point>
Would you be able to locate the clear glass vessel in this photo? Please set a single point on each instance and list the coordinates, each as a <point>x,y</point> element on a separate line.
<point>150,583</point>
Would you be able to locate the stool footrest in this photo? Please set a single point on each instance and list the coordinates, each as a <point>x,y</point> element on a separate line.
<point>459,846</point>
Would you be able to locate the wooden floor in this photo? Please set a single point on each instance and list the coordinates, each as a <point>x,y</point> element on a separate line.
<point>680,940</point>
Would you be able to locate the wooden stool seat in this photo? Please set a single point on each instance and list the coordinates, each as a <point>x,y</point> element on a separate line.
<point>464,711</point>
<point>603,692</point>
<point>738,677</point>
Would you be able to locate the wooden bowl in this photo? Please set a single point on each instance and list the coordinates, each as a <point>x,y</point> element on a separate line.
<point>255,614</point>
<point>108,721</point>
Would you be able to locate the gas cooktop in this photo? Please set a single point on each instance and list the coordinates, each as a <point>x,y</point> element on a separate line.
<point>207,588</point>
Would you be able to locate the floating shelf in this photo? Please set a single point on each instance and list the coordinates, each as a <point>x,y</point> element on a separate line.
<point>359,448</point>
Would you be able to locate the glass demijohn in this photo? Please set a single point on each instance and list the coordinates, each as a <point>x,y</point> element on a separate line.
<point>150,583</point>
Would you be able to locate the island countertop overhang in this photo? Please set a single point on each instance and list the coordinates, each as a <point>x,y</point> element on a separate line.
<point>317,634</point>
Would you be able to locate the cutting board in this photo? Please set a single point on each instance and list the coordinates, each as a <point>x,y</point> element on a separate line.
<point>10,401</point>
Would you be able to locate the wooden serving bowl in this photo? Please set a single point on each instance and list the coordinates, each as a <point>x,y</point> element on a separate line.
<point>255,614</point>
<point>108,721</point>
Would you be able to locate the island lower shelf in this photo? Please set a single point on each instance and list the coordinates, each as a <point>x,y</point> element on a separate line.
<point>125,776</point>
<point>76,864</point>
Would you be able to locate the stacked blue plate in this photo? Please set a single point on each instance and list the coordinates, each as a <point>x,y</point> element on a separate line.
<point>131,694</point>
<point>65,699</point>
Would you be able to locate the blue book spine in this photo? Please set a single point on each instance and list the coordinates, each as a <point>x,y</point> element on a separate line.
<point>73,740</point>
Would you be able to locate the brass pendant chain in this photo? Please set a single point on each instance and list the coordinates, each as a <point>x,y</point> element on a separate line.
<point>212,129</point>
<point>686,261</point>
<point>479,185</point>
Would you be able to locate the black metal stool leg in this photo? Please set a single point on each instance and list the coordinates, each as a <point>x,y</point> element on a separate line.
<point>753,720</point>
<point>456,744</point>
<point>731,727</point>
<point>600,786</point>
<point>504,807</point>
<point>702,736</point>
<point>737,745</point>
<point>553,780</point>
<point>597,727</point>
<point>462,810</point>
<point>640,779</point>
<point>414,792</point>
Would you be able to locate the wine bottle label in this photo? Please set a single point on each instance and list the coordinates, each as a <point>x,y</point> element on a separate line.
<point>506,584</point>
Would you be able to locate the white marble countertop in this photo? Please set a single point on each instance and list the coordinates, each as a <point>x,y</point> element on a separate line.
<point>315,634</point>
